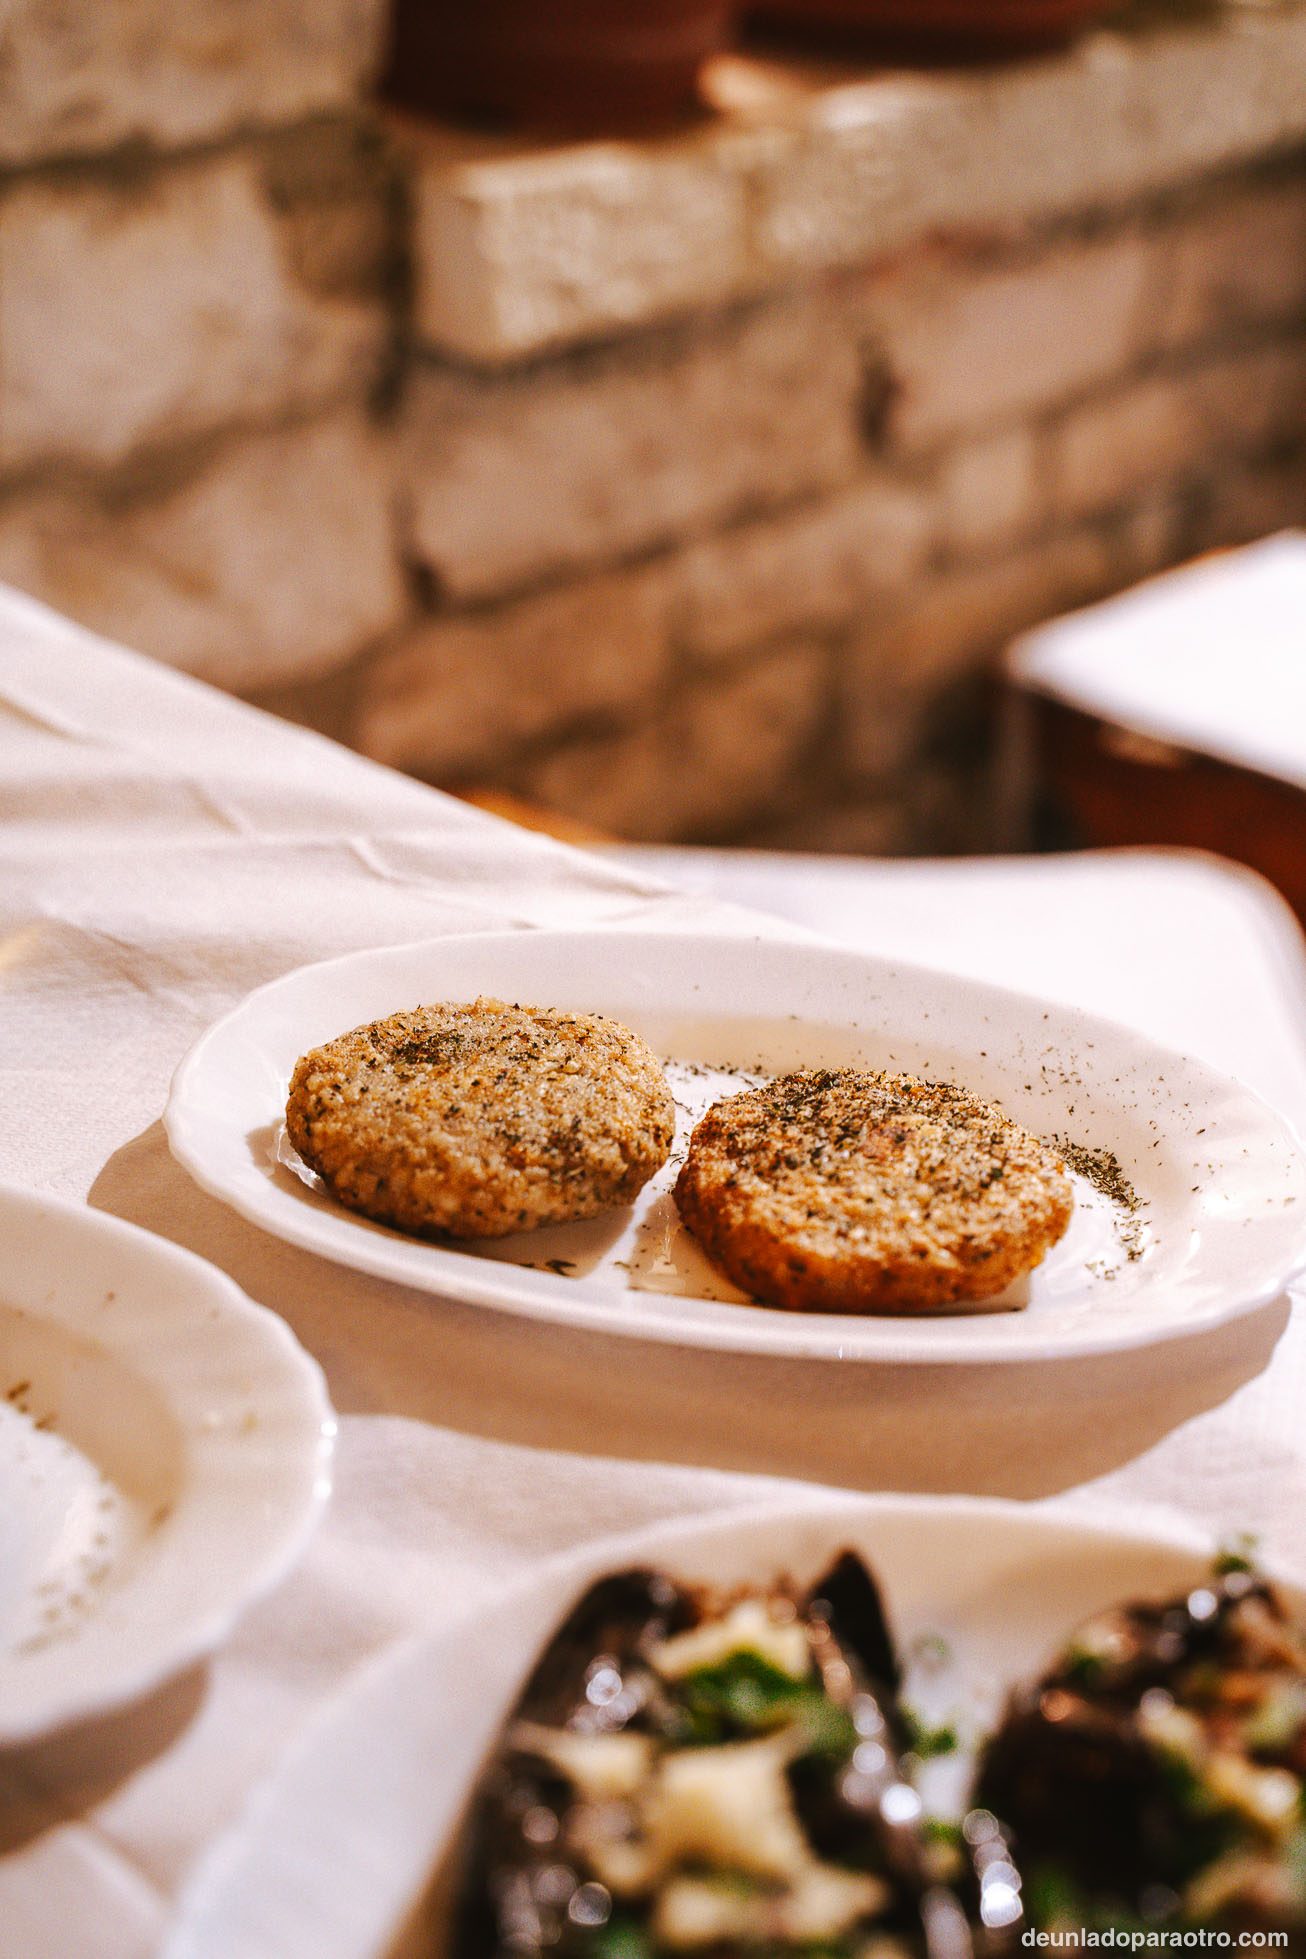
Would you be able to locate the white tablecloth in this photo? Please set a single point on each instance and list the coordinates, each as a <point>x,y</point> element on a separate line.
<point>164,850</point>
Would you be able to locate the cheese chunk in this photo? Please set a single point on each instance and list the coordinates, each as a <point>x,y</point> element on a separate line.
<point>747,1628</point>
<point>729,1807</point>
<point>824,1903</point>
<point>601,1768</point>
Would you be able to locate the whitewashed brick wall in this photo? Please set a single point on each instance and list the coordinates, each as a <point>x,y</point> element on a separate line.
<point>690,486</point>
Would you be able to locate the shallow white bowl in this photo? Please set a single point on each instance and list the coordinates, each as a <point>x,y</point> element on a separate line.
<point>1221,1231</point>
<point>165,1449</point>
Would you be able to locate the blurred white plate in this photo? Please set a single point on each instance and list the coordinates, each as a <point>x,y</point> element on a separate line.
<point>164,1450</point>
<point>1222,1188</point>
<point>334,1854</point>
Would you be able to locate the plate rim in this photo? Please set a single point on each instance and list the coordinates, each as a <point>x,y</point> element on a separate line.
<point>486,1284</point>
<point>271,1536</point>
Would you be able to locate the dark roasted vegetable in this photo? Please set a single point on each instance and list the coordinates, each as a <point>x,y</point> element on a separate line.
<point>722,1777</point>
<point>1154,1775</point>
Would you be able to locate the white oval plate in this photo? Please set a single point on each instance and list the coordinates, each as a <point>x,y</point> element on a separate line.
<point>1223,1185</point>
<point>165,1448</point>
<point>340,1845</point>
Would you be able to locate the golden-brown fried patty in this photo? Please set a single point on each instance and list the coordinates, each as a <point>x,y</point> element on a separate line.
<point>483,1119</point>
<point>850,1192</point>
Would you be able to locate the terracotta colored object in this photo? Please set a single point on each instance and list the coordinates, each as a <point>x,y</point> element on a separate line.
<point>1100,787</point>
<point>577,66</point>
<point>936,29</point>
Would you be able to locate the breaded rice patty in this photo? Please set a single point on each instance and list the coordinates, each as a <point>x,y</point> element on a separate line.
<point>474,1121</point>
<point>850,1192</point>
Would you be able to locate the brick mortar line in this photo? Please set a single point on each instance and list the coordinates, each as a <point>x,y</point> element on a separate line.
<point>916,471</point>
<point>158,470</point>
<point>1107,525</point>
<point>981,250</point>
<point>135,162</point>
<point>857,789</point>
